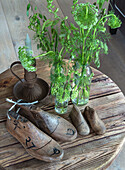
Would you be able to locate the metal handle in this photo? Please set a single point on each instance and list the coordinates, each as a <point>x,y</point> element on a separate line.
<point>14,63</point>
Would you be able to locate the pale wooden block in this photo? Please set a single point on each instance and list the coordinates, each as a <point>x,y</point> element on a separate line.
<point>7,52</point>
<point>15,12</point>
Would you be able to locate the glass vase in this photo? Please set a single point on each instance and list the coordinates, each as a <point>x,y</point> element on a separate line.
<point>81,85</point>
<point>61,107</point>
<point>59,89</point>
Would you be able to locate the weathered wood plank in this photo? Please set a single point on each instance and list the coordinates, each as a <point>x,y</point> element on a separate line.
<point>111,110</point>
<point>115,125</point>
<point>108,85</point>
<point>15,12</point>
<point>7,81</point>
<point>76,155</point>
<point>82,162</point>
<point>42,8</point>
<point>7,52</point>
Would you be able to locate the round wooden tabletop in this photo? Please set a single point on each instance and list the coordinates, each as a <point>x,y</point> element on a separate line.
<point>89,152</point>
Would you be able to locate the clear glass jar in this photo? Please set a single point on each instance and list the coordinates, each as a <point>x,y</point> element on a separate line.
<point>81,85</point>
<point>59,90</point>
<point>61,107</point>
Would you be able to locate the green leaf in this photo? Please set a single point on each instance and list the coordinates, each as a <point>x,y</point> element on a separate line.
<point>28,7</point>
<point>62,35</point>
<point>66,17</point>
<point>44,24</point>
<point>75,1</point>
<point>73,27</point>
<point>44,17</point>
<point>49,24</point>
<point>86,93</point>
<point>55,22</point>
<point>57,9</point>
<point>40,15</point>
<point>38,21</point>
<point>38,46</point>
<point>102,45</point>
<point>106,48</point>
<point>100,3</point>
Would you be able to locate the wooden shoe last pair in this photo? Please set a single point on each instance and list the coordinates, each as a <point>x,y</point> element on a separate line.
<point>79,122</point>
<point>88,116</point>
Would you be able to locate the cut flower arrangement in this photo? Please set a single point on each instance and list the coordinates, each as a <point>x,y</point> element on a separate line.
<point>83,41</point>
<point>89,41</point>
<point>50,38</point>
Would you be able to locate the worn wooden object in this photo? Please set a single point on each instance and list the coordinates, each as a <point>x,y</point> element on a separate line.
<point>89,152</point>
<point>78,121</point>
<point>94,121</point>
<point>38,144</point>
<point>7,52</point>
<point>53,125</point>
<point>30,88</point>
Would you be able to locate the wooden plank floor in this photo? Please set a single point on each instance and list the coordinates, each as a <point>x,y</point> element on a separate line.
<point>13,29</point>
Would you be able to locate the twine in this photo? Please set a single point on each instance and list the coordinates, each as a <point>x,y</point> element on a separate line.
<point>21,104</point>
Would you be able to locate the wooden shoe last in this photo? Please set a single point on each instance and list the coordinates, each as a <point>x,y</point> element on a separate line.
<point>37,143</point>
<point>95,122</point>
<point>54,125</point>
<point>79,122</point>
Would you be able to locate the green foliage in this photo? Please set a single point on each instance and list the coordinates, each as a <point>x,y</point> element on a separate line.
<point>27,61</point>
<point>49,34</point>
<point>83,43</point>
<point>85,15</point>
<point>46,30</point>
<point>89,39</point>
<point>114,22</point>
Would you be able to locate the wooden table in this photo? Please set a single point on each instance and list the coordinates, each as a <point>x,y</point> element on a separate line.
<point>89,152</point>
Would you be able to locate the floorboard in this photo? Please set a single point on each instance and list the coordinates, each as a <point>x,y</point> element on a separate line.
<point>7,52</point>
<point>15,12</point>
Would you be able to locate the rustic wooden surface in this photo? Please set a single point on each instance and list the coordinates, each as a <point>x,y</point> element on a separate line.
<point>107,98</point>
<point>89,152</point>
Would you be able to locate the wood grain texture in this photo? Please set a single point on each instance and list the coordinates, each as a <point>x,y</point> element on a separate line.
<point>7,81</point>
<point>15,12</point>
<point>84,164</point>
<point>7,52</point>
<point>42,8</point>
<point>109,103</point>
